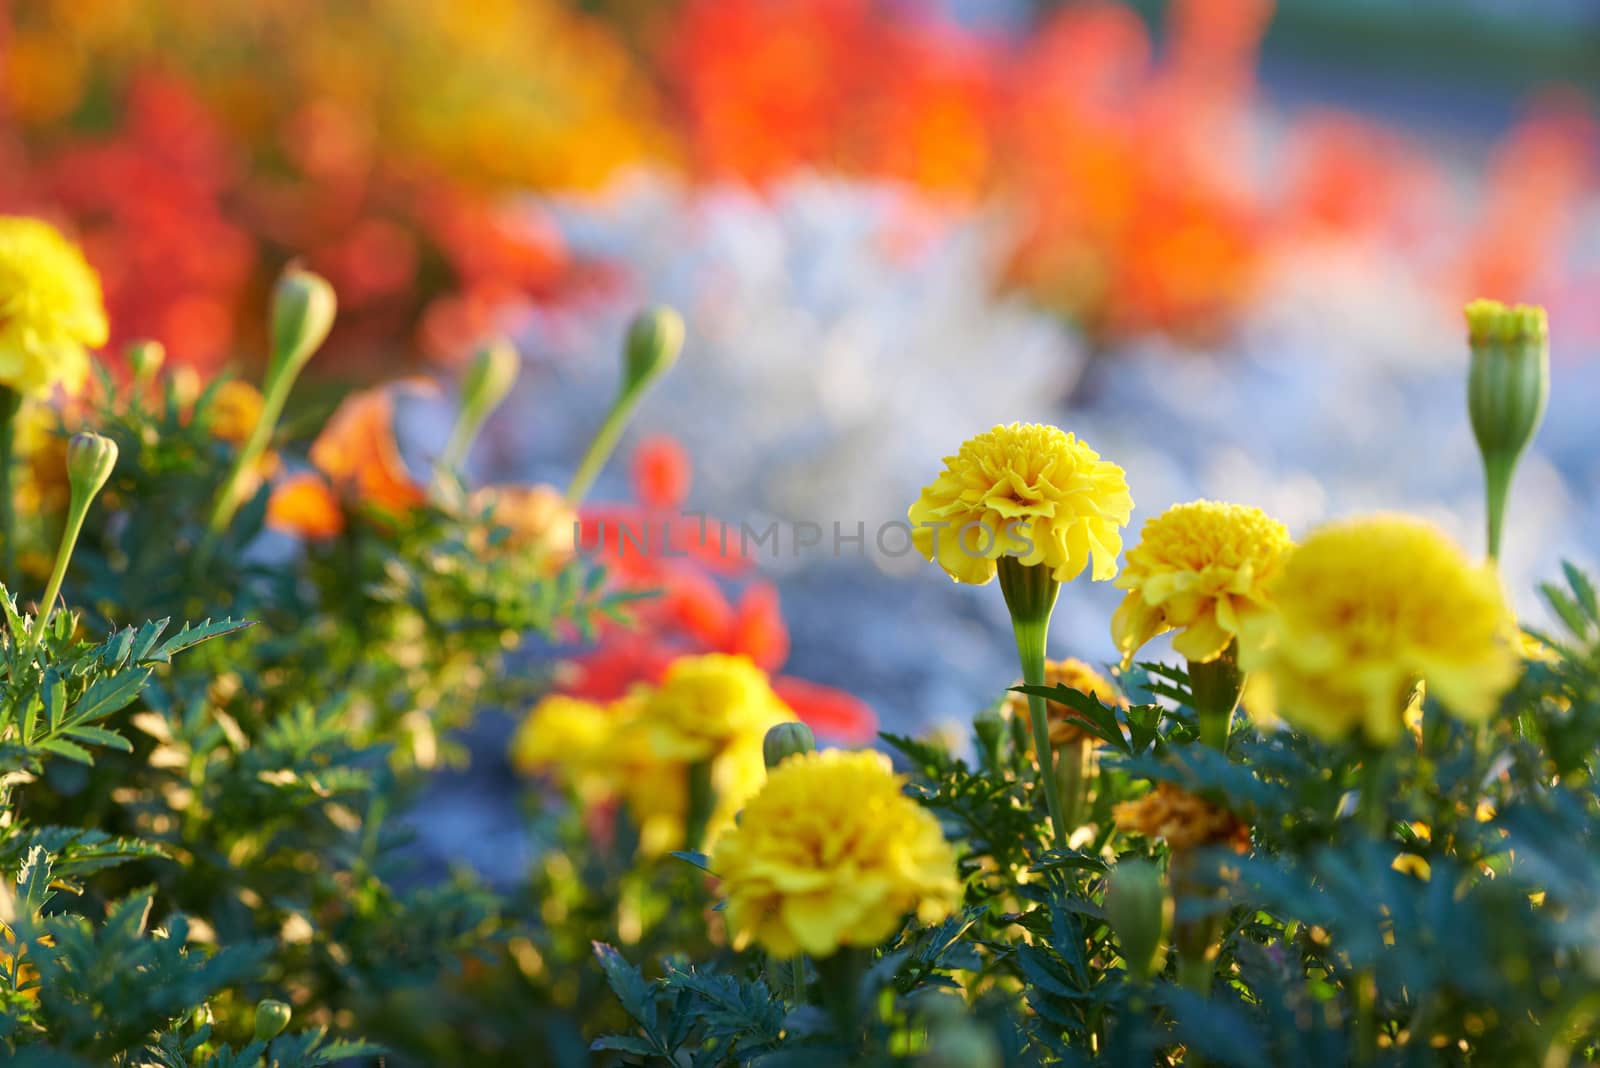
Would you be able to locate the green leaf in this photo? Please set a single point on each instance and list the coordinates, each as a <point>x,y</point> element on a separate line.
<point>100,736</point>
<point>629,985</point>
<point>1565,607</point>
<point>54,695</point>
<point>63,748</point>
<point>191,636</point>
<point>33,881</point>
<point>1583,590</point>
<point>117,648</point>
<point>147,637</point>
<point>109,694</point>
<point>689,856</point>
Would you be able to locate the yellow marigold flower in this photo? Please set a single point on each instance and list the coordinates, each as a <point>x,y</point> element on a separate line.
<point>1024,490</point>
<point>656,790</point>
<point>1184,820</point>
<point>570,740</point>
<point>1363,609</point>
<point>1064,728</point>
<point>235,409</point>
<point>707,703</point>
<point>42,446</point>
<point>1199,568</point>
<point>51,312</point>
<point>832,853</point>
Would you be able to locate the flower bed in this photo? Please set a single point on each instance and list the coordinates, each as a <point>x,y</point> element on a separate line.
<point>1269,850</point>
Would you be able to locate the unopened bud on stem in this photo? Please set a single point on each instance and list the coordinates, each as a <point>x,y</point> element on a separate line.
<point>303,307</point>
<point>90,461</point>
<point>272,1016</point>
<point>1508,385</point>
<point>484,387</point>
<point>1140,912</point>
<point>784,741</point>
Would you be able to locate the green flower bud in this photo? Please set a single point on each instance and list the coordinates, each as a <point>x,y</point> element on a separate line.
<point>655,338</point>
<point>1139,910</point>
<point>272,1017</point>
<point>990,727</point>
<point>90,461</point>
<point>487,382</point>
<point>784,741</point>
<point>490,377</point>
<point>303,307</point>
<point>1508,385</point>
<point>961,1043</point>
<point>145,359</point>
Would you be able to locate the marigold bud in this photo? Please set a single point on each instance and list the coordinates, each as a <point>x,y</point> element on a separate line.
<point>990,727</point>
<point>145,359</point>
<point>489,378</point>
<point>961,1043</point>
<point>655,338</point>
<point>784,741</point>
<point>272,1016</point>
<point>487,382</point>
<point>1140,911</point>
<point>1508,385</point>
<point>303,307</point>
<point>90,461</point>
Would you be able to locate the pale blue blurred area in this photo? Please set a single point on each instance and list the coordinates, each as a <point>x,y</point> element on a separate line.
<point>826,374</point>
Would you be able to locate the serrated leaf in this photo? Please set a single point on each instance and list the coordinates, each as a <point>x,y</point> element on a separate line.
<point>111,693</point>
<point>191,636</point>
<point>1564,607</point>
<point>70,750</point>
<point>622,1044</point>
<point>33,881</point>
<point>54,696</point>
<point>147,637</point>
<point>117,648</point>
<point>100,736</point>
<point>629,985</point>
<point>1582,590</point>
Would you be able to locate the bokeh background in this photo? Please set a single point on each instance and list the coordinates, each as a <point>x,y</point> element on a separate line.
<point>1225,241</point>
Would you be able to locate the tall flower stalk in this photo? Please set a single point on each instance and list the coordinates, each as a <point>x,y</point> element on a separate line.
<point>655,338</point>
<point>1508,386</point>
<point>1038,507</point>
<point>1030,594</point>
<point>90,461</point>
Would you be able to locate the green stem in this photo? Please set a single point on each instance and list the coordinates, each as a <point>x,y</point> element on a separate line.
<point>1217,686</point>
<point>601,448</point>
<point>1030,594</point>
<point>839,981</point>
<point>797,976</point>
<point>1497,469</point>
<point>10,402</point>
<point>1074,768</point>
<point>1373,815</point>
<point>227,501</point>
<point>702,798</point>
<point>69,541</point>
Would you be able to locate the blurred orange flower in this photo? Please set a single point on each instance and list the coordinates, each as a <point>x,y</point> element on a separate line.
<point>358,463</point>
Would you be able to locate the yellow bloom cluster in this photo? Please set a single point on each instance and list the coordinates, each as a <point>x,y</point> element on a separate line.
<point>1364,609</point>
<point>638,750</point>
<point>50,309</point>
<point>1201,568</point>
<point>1074,673</point>
<point>1025,490</point>
<point>707,703</point>
<point>832,853</point>
<point>1184,820</point>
